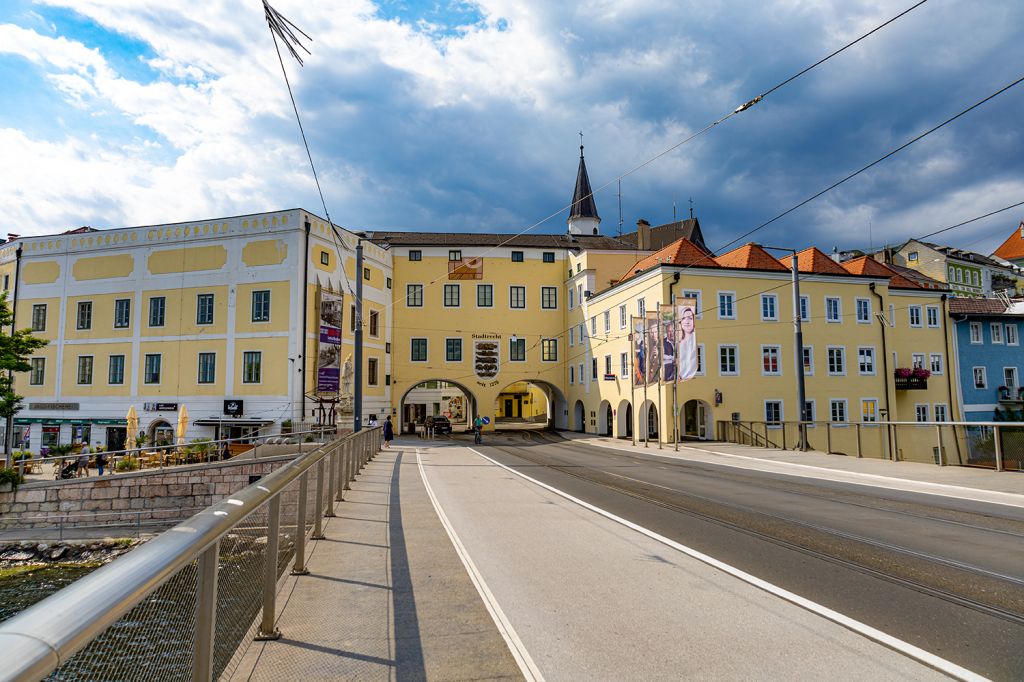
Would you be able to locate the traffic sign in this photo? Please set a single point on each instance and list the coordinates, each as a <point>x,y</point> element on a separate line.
<point>486,420</point>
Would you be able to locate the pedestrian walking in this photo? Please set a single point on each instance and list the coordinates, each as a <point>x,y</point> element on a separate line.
<point>478,425</point>
<point>83,461</point>
<point>389,432</point>
<point>101,460</point>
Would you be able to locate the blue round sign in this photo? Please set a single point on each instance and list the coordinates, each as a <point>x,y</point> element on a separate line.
<point>486,420</point>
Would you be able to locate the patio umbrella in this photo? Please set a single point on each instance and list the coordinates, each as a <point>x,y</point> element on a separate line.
<point>133,426</point>
<point>182,424</point>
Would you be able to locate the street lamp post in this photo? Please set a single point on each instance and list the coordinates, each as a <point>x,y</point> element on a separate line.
<point>798,342</point>
<point>357,389</point>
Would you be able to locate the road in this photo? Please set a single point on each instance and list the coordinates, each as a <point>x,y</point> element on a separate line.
<point>943,574</point>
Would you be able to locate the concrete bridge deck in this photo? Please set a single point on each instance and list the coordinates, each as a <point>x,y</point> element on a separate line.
<point>444,565</point>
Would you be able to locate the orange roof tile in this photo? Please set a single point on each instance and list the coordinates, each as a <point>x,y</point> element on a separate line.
<point>866,265</point>
<point>814,260</point>
<point>1013,247</point>
<point>680,252</point>
<point>750,257</point>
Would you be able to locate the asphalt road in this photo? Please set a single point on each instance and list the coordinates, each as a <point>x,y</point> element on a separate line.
<point>944,574</point>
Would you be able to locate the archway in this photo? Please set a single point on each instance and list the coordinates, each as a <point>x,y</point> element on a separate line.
<point>649,421</point>
<point>580,423</point>
<point>605,419</point>
<point>625,411</point>
<point>436,397</point>
<point>160,432</point>
<point>529,403</point>
<point>696,419</point>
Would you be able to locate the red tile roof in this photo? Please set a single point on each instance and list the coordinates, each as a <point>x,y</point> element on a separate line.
<point>680,252</point>
<point>814,260</point>
<point>976,305</point>
<point>1013,247</point>
<point>866,265</point>
<point>750,257</point>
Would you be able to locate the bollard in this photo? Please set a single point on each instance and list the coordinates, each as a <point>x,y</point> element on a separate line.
<point>299,567</point>
<point>206,613</point>
<point>267,631</point>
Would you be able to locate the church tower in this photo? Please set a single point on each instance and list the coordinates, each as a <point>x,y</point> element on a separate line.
<point>583,218</point>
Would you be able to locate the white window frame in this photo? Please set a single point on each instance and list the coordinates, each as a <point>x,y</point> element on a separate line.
<point>607,322</point>
<point>874,361</point>
<point>736,360</point>
<point>702,368</point>
<point>1011,372</point>
<point>768,348</point>
<point>553,291</point>
<point>912,312</point>
<point>772,302</point>
<point>839,310</point>
<point>931,312</point>
<point>511,288</point>
<point>864,402</point>
<point>858,303</point>
<point>944,409</point>
<point>624,365</point>
<point>831,411</point>
<point>932,357</point>
<point>1015,335</point>
<point>917,360</point>
<point>828,360</point>
<point>458,295</point>
<point>809,371</point>
<point>995,330</point>
<point>410,289</point>
<point>479,288</point>
<point>975,334</point>
<point>782,413</point>
<point>813,412</point>
<point>511,355</point>
<point>984,378</point>
<point>623,317</point>
<point>730,296</point>
<point>572,336</point>
<point>922,408</point>
<point>805,309</point>
<point>641,307</point>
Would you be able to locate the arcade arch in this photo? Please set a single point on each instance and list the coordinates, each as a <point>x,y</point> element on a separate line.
<point>432,397</point>
<point>625,418</point>
<point>605,419</point>
<point>696,419</point>
<point>648,427</point>
<point>529,402</point>
<point>579,422</point>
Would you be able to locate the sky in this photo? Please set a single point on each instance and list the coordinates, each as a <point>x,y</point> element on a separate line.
<point>464,115</point>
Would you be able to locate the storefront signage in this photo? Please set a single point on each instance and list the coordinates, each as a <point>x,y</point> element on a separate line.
<point>160,407</point>
<point>233,408</point>
<point>53,406</point>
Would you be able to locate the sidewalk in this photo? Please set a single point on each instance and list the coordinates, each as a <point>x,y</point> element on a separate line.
<point>981,485</point>
<point>386,598</point>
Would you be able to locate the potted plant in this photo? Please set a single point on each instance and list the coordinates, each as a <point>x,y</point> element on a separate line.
<point>1004,392</point>
<point>920,373</point>
<point>902,372</point>
<point>10,479</point>
<point>286,426</point>
<point>127,464</point>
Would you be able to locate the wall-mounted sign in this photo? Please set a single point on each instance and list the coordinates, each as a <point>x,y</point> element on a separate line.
<point>328,365</point>
<point>53,406</point>
<point>233,408</point>
<point>160,407</point>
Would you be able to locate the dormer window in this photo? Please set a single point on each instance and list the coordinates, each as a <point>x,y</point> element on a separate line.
<point>912,256</point>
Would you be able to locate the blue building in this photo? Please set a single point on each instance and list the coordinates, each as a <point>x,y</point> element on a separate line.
<point>989,357</point>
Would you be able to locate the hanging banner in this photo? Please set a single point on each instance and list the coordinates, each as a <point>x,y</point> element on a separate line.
<point>679,340</point>
<point>654,351</point>
<point>328,365</point>
<point>638,335</point>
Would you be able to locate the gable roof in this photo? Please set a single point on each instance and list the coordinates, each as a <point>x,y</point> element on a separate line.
<point>750,257</point>
<point>814,260</point>
<point>982,306</point>
<point>663,235</point>
<point>1013,247</point>
<point>866,265</point>
<point>679,252</point>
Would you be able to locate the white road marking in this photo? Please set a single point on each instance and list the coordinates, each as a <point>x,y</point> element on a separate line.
<point>515,645</point>
<point>905,648</point>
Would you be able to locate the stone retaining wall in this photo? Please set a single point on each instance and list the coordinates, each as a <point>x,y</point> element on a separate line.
<point>157,494</point>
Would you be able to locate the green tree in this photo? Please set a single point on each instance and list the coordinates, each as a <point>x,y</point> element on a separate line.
<point>15,349</point>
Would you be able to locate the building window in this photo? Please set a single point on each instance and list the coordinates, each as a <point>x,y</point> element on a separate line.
<point>451,295</point>
<point>152,368</point>
<point>325,258</point>
<point>388,281</point>
<point>980,377</point>
<point>914,312</point>
<point>728,364</point>
<point>548,298</point>
<point>207,368</point>
<point>115,369</point>
<point>864,310</point>
<point>372,371</point>
<point>517,256</point>
<point>935,362</point>
<point>773,411</point>
<point>84,318</point>
<point>1010,377</point>
<point>833,309</point>
<point>484,295</point>
<point>572,335</point>
<point>122,313</point>
<point>641,307</point>
<point>695,295</point>
<point>917,360</point>
<point>940,412</point>
<point>593,368</point>
<point>572,374</point>
<point>912,256</point>
<point>84,370</point>
<point>7,282</point>
<point>976,332</point>
<point>517,297</point>
<point>415,254</point>
<point>837,361</point>
<point>419,350</point>
<point>374,323</point>
<point>252,367</point>
<point>352,319</point>
<point>157,311</point>
<point>549,256</point>
<point>622,316</point>
<point>39,317</point>
<point>700,359</point>
<point>517,350</point>
<point>607,321</point>
<point>572,298</point>
<point>453,350</point>
<point>808,361</point>
<point>549,350</point>
<point>414,295</point>
<point>366,274</point>
<point>593,325</point>
<point>837,410</point>
<point>38,374</point>
<point>869,410</point>
<point>921,413</point>
<point>769,305</point>
<point>866,360</point>
<point>579,372</point>
<point>1011,335</point>
<point>204,309</point>
<point>455,254</point>
<point>582,333</point>
<point>932,314</point>
<point>810,412</point>
<point>770,360</point>
<point>261,305</point>
<point>624,365</point>
<point>726,306</point>
<point>805,308</point>
<point>996,329</point>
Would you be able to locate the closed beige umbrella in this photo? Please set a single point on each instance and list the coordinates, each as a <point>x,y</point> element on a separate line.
<point>133,427</point>
<point>182,424</point>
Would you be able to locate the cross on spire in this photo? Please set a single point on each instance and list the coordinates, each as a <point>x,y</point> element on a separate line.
<point>581,144</point>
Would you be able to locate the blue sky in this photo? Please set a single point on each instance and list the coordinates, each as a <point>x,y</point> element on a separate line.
<point>463,115</point>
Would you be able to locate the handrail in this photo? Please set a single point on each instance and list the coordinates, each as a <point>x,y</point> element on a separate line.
<point>874,423</point>
<point>47,634</point>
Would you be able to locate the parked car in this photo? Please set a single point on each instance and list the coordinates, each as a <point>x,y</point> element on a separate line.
<point>442,425</point>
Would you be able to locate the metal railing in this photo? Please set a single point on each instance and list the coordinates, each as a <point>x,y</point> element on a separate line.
<point>992,445</point>
<point>180,606</point>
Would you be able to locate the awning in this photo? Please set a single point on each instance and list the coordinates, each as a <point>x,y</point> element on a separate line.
<point>232,421</point>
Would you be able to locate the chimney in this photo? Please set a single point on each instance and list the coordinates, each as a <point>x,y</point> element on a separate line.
<point>643,235</point>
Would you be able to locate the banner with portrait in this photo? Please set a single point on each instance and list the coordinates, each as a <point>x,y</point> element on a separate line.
<point>654,350</point>
<point>679,340</point>
<point>328,359</point>
<point>639,340</point>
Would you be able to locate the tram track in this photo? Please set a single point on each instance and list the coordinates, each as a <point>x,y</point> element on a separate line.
<point>988,592</point>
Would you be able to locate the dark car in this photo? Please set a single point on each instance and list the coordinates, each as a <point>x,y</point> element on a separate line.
<point>442,425</point>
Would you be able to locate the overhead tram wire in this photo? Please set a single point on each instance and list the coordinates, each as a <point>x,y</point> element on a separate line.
<point>708,127</point>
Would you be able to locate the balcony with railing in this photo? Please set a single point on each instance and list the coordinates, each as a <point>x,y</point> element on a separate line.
<point>906,379</point>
